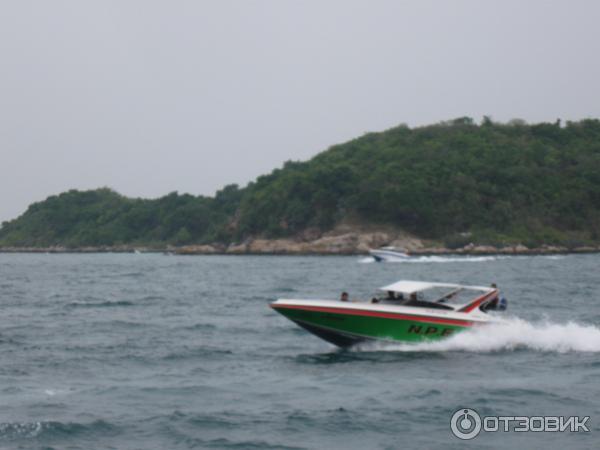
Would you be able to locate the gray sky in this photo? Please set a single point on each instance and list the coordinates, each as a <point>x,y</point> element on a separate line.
<point>150,97</point>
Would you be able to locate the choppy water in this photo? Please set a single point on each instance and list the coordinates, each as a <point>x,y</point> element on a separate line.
<point>172,352</point>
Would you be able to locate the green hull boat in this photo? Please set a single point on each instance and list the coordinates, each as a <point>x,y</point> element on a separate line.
<point>411,311</point>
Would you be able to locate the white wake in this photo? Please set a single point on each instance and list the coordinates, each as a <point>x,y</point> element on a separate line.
<point>509,334</point>
<point>435,259</point>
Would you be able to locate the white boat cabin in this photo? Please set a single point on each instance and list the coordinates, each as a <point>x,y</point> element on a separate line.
<point>454,297</point>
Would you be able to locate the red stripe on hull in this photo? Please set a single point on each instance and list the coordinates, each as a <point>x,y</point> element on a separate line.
<point>475,304</point>
<point>387,315</point>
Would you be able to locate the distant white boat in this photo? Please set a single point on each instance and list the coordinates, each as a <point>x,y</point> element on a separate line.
<point>387,254</point>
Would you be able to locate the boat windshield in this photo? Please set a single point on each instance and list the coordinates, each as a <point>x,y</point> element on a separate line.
<point>443,296</point>
<point>453,297</point>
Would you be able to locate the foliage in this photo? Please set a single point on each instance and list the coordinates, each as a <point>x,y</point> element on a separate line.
<point>500,183</point>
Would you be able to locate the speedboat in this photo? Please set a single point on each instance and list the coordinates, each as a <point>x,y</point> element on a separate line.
<point>387,254</point>
<point>405,311</point>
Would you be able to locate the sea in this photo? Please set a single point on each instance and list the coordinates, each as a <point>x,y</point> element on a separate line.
<point>156,351</point>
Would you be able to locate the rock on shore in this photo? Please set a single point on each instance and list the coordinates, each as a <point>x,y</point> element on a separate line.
<point>346,240</point>
<point>343,240</point>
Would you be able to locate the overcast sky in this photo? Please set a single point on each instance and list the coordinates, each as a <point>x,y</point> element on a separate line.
<point>149,97</point>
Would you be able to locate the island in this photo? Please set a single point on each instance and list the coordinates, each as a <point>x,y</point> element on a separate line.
<point>452,187</point>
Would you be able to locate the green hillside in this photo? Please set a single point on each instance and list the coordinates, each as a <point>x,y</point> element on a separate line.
<point>455,182</point>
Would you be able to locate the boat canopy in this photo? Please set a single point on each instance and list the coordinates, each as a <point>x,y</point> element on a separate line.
<point>410,287</point>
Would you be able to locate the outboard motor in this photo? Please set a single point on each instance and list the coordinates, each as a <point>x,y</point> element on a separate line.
<point>502,303</point>
<point>498,304</point>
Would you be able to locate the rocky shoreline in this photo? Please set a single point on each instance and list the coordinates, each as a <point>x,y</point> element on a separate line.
<point>337,242</point>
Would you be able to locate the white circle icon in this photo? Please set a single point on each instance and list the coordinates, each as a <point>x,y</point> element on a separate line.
<point>465,423</point>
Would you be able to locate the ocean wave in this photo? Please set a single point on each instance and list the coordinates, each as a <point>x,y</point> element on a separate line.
<point>13,372</point>
<point>199,327</point>
<point>151,297</point>
<point>28,430</point>
<point>508,335</point>
<point>187,427</point>
<point>131,274</point>
<point>244,444</point>
<point>285,289</point>
<point>10,341</point>
<point>104,304</point>
<point>200,352</point>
